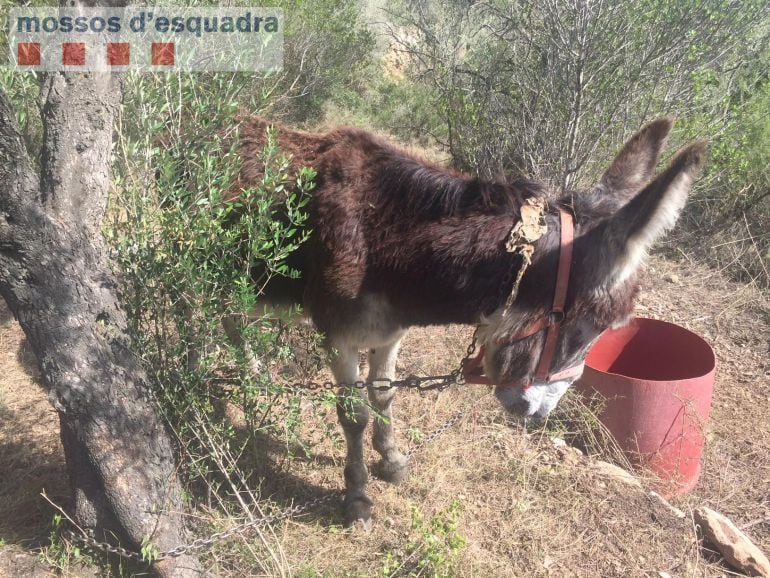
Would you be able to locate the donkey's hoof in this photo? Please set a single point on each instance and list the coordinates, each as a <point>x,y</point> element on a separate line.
<point>358,512</point>
<point>361,526</point>
<point>393,470</point>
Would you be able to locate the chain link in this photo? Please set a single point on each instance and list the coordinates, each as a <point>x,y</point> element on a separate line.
<point>422,384</point>
<point>413,382</point>
<point>435,434</point>
<point>201,543</point>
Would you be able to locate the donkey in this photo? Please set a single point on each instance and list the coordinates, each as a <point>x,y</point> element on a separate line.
<point>399,242</point>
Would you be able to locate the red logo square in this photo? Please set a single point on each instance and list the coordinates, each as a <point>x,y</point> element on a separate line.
<point>73,53</point>
<point>163,53</point>
<point>118,53</point>
<point>28,53</point>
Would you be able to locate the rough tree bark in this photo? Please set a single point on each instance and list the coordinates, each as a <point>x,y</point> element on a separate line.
<point>56,278</point>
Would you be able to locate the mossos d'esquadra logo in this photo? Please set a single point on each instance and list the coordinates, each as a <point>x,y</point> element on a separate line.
<point>146,38</point>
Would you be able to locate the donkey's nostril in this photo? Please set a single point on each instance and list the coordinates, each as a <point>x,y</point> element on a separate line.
<point>516,401</point>
<point>519,409</point>
<point>516,405</point>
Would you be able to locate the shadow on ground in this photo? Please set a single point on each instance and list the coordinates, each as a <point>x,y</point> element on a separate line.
<point>25,517</point>
<point>30,451</point>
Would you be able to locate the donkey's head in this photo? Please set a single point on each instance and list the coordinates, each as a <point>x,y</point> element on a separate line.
<point>615,225</point>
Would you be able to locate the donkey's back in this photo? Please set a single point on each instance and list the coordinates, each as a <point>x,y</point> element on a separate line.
<point>380,216</point>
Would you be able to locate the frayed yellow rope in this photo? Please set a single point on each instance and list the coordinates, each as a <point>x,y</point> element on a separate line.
<point>530,227</point>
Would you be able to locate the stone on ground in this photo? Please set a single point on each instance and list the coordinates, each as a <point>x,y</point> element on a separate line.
<point>734,545</point>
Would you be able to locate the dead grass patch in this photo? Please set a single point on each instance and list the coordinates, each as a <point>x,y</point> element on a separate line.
<point>527,508</point>
<point>30,452</point>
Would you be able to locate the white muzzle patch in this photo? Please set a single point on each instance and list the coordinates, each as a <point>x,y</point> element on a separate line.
<point>538,400</point>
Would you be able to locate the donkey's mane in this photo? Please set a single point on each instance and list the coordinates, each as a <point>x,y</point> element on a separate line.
<point>429,191</point>
<point>408,184</point>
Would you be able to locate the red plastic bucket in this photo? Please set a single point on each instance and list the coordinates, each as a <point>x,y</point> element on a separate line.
<point>656,379</point>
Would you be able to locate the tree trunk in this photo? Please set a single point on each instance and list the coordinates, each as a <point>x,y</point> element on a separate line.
<point>56,278</point>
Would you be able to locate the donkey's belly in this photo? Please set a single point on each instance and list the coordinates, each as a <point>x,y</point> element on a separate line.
<point>364,322</point>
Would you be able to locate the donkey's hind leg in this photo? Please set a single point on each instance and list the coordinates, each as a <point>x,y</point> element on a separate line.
<point>353,415</point>
<point>382,365</point>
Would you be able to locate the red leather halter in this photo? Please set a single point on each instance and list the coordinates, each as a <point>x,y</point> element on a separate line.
<point>473,370</point>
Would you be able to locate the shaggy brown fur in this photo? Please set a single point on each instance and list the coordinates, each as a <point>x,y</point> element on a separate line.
<point>398,241</point>
<point>384,221</point>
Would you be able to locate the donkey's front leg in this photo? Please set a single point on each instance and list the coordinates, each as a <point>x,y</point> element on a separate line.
<point>353,415</point>
<point>382,364</point>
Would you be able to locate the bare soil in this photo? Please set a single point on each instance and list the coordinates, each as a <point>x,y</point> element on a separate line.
<point>526,507</point>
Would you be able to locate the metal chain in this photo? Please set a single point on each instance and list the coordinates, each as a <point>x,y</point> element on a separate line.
<point>201,543</point>
<point>411,382</point>
<point>432,436</point>
<point>417,383</point>
<point>84,538</point>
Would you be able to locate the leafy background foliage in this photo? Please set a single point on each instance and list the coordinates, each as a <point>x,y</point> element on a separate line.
<point>551,89</point>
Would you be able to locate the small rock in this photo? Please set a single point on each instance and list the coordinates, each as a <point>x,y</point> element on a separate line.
<point>663,574</point>
<point>664,502</point>
<point>558,442</point>
<point>671,278</point>
<point>734,545</point>
<point>616,473</point>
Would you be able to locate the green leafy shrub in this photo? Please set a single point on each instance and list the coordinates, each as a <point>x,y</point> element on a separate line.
<point>547,90</point>
<point>731,205</point>
<point>433,548</point>
<point>191,255</point>
<point>328,51</point>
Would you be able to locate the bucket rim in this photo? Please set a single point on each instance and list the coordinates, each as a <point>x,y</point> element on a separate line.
<point>709,348</point>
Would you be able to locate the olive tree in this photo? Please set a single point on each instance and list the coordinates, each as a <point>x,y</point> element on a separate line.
<point>57,280</point>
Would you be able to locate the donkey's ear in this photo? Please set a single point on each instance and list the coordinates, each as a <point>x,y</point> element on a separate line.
<point>631,231</point>
<point>636,162</point>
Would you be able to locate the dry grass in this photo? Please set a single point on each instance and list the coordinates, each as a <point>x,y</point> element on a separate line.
<point>30,451</point>
<point>737,244</point>
<point>527,508</point>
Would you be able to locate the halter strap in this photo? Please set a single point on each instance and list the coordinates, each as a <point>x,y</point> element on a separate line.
<point>473,371</point>
<point>559,297</point>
